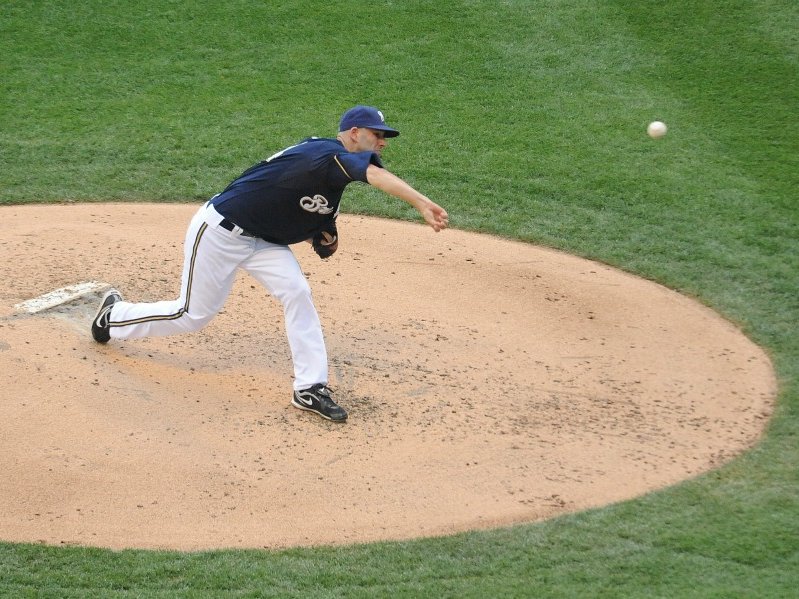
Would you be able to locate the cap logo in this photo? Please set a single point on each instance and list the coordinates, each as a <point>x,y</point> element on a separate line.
<point>380,114</point>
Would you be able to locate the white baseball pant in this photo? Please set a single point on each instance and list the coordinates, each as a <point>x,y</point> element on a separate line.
<point>212,255</point>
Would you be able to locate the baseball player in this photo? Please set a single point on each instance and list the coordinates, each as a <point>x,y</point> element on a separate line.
<point>290,197</point>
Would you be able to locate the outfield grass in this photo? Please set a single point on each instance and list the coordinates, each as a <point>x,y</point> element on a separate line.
<point>525,119</point>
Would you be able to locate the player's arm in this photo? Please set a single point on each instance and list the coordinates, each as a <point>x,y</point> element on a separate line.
<point>433,214</point>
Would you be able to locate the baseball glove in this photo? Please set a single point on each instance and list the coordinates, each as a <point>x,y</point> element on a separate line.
<point>325,243</point>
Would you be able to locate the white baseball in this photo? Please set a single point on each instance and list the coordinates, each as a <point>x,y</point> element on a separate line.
<point>656,129</point>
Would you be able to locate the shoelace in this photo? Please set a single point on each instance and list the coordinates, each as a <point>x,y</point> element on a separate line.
<point>323,390</point>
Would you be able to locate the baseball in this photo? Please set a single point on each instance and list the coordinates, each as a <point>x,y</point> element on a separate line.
<point>656,129</point>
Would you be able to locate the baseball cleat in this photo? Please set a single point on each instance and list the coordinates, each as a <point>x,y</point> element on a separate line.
<point>100,329</point>
<point>317,399</point>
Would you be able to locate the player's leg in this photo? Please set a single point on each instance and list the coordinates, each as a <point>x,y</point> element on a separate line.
<point>211,256</point>
<point>276,268</point>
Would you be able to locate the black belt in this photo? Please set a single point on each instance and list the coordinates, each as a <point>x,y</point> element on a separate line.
<point>226,224</point>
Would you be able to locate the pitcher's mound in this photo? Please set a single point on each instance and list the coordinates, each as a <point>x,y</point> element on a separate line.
<point>488,382</point>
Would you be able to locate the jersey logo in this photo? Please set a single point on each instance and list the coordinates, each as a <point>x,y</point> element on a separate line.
<point>318,203</point>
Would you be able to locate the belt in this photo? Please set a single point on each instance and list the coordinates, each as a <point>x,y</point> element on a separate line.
<point>226,224</point>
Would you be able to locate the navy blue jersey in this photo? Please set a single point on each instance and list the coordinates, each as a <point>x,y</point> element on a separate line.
<point>294,194</point>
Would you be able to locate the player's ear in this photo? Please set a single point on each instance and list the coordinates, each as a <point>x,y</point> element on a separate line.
<point>349,137</point>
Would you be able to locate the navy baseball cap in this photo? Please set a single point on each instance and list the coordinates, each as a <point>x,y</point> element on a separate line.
<point>368,117</point>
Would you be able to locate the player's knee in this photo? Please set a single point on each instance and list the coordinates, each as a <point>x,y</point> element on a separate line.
<point>299,292</point>
<point>194,321</point>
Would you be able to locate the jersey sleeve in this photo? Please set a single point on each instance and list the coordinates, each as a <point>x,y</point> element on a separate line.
<point>351,166</point>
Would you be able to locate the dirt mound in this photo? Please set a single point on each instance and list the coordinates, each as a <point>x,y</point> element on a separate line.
<point>488,382</point>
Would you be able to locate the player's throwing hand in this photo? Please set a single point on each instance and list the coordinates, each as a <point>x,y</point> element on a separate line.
<point>435,216</point>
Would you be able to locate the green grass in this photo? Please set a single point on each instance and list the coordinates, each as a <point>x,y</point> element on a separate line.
<point>525,119</point>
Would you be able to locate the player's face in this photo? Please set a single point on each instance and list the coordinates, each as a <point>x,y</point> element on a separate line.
<point>371,140</point>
